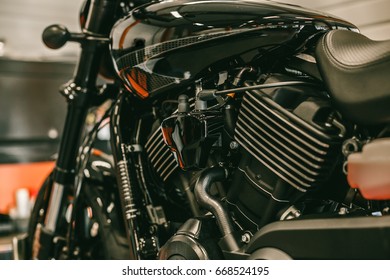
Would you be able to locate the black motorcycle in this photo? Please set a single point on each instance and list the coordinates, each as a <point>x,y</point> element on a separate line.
<point>238,130</point>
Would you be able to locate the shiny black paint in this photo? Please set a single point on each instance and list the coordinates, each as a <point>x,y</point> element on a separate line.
<point>191,136</point>
<point>320,238</point>
<point>162,45</point>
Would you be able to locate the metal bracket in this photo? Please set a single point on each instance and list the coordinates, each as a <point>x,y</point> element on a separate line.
<point>136,148</point>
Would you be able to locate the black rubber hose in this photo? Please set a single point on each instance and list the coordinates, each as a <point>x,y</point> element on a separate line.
<point>202,195</point>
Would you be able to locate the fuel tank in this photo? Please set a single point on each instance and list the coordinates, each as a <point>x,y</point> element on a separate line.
<point>167,45</point>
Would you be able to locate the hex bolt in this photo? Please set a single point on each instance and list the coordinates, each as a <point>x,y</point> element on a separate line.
<point>234,145</point>
<point>245,238</point>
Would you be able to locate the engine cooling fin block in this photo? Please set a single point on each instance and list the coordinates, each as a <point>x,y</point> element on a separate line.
<point>160,156</point>
<point>296,151</point>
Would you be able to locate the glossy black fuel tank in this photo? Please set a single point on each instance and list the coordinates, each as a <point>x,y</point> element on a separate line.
<point>168,44</point>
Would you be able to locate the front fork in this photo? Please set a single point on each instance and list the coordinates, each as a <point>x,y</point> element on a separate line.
<point>64,172</point>
<point>79,93</point>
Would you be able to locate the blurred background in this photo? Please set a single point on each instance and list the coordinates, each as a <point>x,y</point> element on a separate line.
<point>22,21</point>
<point>32,111</point>
<point>372,17</point>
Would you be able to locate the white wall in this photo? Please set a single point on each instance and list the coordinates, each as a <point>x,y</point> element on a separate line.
<point>372,17</point>
<point>22,23</point>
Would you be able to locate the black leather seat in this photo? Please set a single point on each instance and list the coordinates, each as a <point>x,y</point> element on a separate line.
<point>356,71</point>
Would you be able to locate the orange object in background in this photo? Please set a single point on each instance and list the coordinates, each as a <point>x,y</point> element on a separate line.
<point>369,170</point>
<point>21,175</point>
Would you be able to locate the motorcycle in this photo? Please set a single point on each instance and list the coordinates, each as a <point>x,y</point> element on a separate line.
<point>238,130</point>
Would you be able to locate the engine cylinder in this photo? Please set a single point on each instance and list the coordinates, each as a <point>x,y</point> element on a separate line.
<point>289,132</point>
<point>289,146</point>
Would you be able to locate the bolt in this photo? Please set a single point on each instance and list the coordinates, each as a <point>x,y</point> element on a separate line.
<point>233,145</point>
<point>297,213</point>
<point>246,237</point>
<point>343,211</point>
<point>152,230</point>
<point>94,230</point>
<point>76,251</point>
<point>142,243</point>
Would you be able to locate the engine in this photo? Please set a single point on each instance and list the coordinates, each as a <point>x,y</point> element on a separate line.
<point>294,145</point>
<point>286,144</point>
<point>289,140</point>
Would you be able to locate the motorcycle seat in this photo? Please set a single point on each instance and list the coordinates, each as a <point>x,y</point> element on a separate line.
<point>356,71</point>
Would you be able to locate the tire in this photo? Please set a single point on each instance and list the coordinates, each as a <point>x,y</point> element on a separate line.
<point>36,216</point>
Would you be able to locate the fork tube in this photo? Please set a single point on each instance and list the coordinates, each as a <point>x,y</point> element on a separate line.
<point>78,93</point>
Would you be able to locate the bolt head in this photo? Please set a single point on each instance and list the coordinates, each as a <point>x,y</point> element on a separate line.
<point>234,145</point>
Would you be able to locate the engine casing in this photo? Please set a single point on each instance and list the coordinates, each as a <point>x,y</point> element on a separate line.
<point>289,147</point>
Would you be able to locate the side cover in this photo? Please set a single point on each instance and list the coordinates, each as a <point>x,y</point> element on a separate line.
<point>162,45</point>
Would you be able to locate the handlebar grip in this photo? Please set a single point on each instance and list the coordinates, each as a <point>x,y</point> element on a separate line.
<point>55,36</point>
